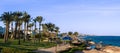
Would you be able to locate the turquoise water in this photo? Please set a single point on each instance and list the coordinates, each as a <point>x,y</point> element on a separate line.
<point>106,40</point>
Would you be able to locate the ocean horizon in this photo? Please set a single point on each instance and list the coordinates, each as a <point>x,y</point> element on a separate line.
<point>106,40</point>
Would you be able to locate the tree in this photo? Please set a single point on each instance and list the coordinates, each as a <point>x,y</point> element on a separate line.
<point>16,15</point>
<point>18,23</point>
<point>6,18</point>
<point>45,33</point>
<point>26,18</point>
<point>50,27</point>
<point>35,20</point>
<point>39,19</point>
<point>70,33</point>
<point>74,37</point>
<point>76,33</point>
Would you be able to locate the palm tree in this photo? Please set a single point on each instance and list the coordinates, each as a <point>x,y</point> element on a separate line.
<point>16,15</point>
<point>35,20</point>
<point>19,24</point>
<point>39,19</point>
<point>70,33</point>
<point>76,33</point>
<point>26,18</point>
<point>6,18</point>
<point>50,26</point>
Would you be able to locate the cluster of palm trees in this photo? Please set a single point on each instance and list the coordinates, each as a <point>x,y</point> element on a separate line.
<point>18,19</point>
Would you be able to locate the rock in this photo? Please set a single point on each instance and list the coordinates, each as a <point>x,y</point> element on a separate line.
<point>91,42</point>
<point>112,49</point>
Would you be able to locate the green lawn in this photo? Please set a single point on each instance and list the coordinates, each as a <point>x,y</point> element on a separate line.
<point>28,46</point>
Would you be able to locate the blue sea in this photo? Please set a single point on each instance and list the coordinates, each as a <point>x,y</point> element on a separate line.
<point>106,40</point>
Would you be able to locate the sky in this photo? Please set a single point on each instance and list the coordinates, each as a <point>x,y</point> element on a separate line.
<point>98,17</point>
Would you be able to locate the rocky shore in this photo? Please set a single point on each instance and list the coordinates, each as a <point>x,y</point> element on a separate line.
<point>106,49</point>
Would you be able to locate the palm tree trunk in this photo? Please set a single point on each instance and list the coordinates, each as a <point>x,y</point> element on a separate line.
<point>5,35</point>
<point>19,34</point>
<point>24,32</point>
<point>16,24</point>
<point>12,31</point>
<point>39,32</point>
<point>35,26</point>
<point>6,32</point>
<point>34,32</point>
<point>12,27</point>
<point>27,31</point>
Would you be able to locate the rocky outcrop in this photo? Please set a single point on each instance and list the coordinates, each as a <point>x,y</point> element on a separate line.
<point>111,49</point>
<point>106,49</point>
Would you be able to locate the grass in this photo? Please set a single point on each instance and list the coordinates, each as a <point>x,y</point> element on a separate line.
<point>25,46</point>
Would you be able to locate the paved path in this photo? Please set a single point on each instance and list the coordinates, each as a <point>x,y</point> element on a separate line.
<point>54,49</point>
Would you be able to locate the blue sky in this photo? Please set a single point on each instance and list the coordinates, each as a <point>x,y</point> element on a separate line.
<point>100,17</point>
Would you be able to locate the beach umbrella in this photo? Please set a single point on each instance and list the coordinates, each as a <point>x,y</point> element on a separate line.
<point>67,38</point>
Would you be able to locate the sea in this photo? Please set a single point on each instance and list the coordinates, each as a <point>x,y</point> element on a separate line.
<point>106,40</point>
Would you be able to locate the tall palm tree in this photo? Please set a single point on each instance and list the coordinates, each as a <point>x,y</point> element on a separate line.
<point>39,19</point>
<point>19,25</point>
<point>35,20</point>
<point>6,18</point>
<point>16,15</point>
<point>26,18</point>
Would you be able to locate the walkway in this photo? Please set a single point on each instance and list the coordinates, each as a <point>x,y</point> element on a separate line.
<point>54,49</point>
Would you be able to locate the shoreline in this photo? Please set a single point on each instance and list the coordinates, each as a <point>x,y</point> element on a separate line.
<point>106,49</point>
